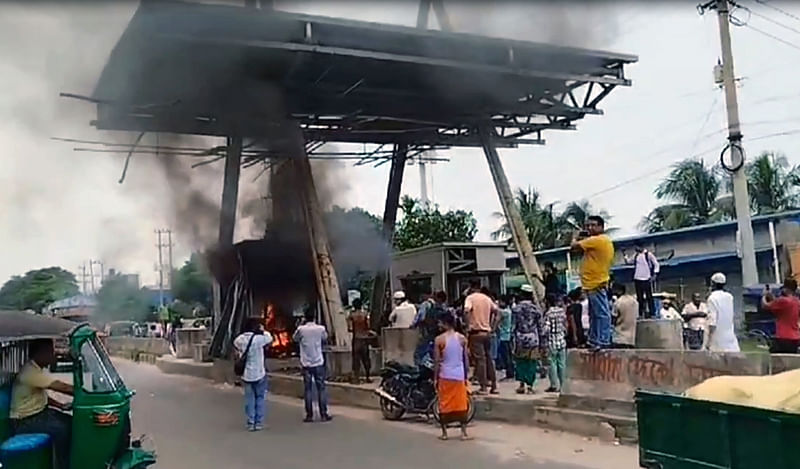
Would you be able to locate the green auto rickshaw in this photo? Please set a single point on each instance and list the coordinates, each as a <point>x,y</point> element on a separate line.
<point>101,425</point>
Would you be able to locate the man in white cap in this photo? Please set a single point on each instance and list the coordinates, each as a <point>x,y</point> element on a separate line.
<point>403,313</point>
<point>722,337</point>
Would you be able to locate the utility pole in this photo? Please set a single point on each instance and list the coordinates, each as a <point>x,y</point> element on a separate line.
<point>91,276</point>
<point>169,259</point>
<point>423,182</point>
<point>164,280</point>
<point>736,165</point>
<point>160,270</point>
<point>83,276</point>
<point>99,273</point>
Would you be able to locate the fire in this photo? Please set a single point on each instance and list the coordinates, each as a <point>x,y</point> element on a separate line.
<point>281,341</point>
<point>281,337</point>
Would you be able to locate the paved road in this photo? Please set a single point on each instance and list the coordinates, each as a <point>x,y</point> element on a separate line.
<point>198,425</point>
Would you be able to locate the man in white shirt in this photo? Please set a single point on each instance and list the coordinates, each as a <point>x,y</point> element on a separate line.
<point>668,311</point>
<point>403,313</point>
<point>253,344</point>
<point>646,268</point>
<point>722,337</point>
<point>695,313</point>
<point>311,337</point>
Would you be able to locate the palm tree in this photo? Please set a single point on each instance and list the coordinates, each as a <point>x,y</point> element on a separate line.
<point>772,183</point>
<point>574,218</point>
<point>692,191</point>
<point>545,228</point>
<point>539,221</point>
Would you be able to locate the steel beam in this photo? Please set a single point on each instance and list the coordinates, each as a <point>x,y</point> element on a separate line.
<point>230,191</point>
<point>518,234</point>
<point>389,219</point>
<point>392,57</point>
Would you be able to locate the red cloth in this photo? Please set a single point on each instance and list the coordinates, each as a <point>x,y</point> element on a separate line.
<point>787,312</point>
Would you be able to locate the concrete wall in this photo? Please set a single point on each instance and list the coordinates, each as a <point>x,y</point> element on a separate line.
<point>616,374</point>
<point>126,345</point>
<point>187,338</point>
<point>398,344</point>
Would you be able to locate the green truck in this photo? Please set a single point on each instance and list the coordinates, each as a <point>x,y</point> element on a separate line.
<point>677,432</point>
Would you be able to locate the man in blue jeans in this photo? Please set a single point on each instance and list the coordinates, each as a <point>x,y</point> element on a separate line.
<point>598,255</point>
<point>253,344</point>
<point>310,336</point>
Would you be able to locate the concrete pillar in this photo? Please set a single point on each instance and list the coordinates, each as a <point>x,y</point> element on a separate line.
<point>327,282</point>
<point>389,219</point>
<point>521,242</point>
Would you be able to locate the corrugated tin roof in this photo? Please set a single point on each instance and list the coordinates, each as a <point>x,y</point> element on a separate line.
<point>759,219</point>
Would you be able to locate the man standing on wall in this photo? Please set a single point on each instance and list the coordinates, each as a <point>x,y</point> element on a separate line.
<point>645,269</point>
<point>479,308</point>
<point>598,254</point>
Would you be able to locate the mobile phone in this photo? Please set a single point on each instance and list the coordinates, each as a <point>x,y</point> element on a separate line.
<point>583,234</point>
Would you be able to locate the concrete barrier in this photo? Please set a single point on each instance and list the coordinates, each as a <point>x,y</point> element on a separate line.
<point>121,345</point>
<point>398,344</point>
<point>780,362</point>
<point>659,334</point>
<point>186,338</point>
<point>340,362</point>
<point>614,375</point>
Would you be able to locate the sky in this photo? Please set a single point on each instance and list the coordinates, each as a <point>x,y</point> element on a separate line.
<point>61,207</point>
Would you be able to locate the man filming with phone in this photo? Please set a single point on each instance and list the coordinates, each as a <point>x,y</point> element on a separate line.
<point>598,255</point>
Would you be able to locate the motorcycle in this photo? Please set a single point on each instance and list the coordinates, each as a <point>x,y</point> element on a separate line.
<point>406,388</point>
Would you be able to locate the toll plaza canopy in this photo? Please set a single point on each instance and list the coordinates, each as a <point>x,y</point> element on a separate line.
<point>226,71</point>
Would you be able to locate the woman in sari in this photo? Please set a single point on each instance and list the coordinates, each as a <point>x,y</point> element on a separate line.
<point>451,365</point>
<point>530,338</point>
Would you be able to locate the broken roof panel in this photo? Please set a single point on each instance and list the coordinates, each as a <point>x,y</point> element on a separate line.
<point>226,70</point>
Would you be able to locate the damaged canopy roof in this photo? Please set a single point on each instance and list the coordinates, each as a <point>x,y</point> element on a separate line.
<point>227,70</point>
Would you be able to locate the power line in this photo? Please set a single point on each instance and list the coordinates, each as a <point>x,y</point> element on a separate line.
<point>767,18</point>
<point>779,10</point>
<point>695,155</point>
<point>772,36</point>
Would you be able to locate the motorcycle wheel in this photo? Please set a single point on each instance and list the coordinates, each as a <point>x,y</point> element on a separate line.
<point>437,416</point>
<point>391,411</point>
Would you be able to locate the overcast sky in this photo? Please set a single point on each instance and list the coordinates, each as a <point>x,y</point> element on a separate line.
<point>61,208</point>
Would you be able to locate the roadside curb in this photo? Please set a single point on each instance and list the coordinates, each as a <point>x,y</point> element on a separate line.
<point>605,426</point>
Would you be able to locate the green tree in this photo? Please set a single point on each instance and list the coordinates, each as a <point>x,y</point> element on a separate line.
<point>37,288</point>
<point>772,183</point>
<point>191,283</point>
<point>545,227</point>
<point>424,224</point>
<point>541,226</point>
<point>118,300</point>
<point>692,195</point>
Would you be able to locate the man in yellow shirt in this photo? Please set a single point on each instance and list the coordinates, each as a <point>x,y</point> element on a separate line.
<point>32,409</point>
<point>598,255</point>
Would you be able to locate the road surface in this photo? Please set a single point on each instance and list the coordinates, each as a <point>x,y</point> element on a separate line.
<point>195,424</point>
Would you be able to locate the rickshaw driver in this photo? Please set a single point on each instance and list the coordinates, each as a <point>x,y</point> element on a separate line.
<point>32,410</point>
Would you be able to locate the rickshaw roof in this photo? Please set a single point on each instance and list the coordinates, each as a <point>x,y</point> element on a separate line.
<point>19,325</point>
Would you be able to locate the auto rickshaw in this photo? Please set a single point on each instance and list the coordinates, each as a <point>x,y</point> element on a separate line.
<point>101,424</point>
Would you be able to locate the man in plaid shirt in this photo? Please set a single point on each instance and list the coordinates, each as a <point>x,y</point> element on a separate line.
<point>555,326</point>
